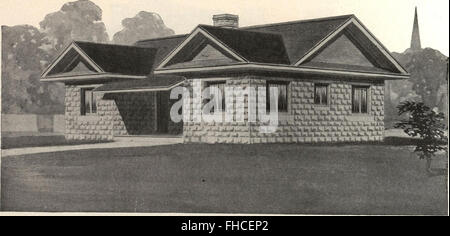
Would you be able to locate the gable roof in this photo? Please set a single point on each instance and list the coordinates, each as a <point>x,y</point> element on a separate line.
<point>251,45</point>
<point>344,52</point>
<point>292,44</point>
<point>297,42</point>
<point>105,59</point>
<point>241,45</point>
<point>128,60</point>
<point>298,36</point>
<point>362,38</point>
<point>153,83</point>
<point>163,46</point>
<point>301,36</point>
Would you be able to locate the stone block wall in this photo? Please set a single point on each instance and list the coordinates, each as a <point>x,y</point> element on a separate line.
<point>217,132</point>
<point>90,127</point>
<point>310,123</point>
<point>118,114</point>
<point>305,122</point>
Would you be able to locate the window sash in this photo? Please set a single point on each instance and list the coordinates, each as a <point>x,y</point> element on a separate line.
<point>88,102</point>
<point>321,94</point>
<point>282,95</point>
<point>359,99</point>
<point>221,87</point>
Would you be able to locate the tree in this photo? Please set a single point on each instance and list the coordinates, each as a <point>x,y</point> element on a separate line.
<point>25,52</point>
<point>80,20</point>
<point>426,124</point>
<point>428,69</point>
<point>144,25</point>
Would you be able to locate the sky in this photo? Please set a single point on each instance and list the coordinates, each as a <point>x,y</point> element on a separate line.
<point>389,20</point>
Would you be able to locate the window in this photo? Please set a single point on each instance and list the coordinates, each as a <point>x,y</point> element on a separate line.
<point>221,87</point>
<point>321,94</point>
<point>282,87</point>
<point>88,102</point>
<point>359,99</point>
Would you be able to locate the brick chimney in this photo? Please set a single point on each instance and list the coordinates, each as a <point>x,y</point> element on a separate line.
<point>226,20</point>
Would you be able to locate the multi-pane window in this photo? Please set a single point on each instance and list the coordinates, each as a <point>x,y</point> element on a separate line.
<point>88,102</point>
<point>359,99</point>
<point>282,88</point>
<point>219,86</point>
<point>321,94</point>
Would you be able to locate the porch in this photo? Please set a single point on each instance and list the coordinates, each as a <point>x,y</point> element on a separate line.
<point>142,108</point>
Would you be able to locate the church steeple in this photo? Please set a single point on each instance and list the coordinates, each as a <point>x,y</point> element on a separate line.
<point>415,38</point>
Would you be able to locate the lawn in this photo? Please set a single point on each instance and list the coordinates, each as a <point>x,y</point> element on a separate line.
<point>275,178</point>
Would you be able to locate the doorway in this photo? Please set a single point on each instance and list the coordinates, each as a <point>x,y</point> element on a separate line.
<point>162,112</point>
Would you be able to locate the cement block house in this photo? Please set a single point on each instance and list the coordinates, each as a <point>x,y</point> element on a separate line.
<point>329,72</point>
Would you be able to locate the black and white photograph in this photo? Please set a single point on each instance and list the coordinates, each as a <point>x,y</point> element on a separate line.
<point>230,107</point>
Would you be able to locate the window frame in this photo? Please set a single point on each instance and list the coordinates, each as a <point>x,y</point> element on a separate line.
<point>277,82</point>
<point>92,102</point>
<point>208,84</point>
<point>367,89</point>
<point>327,95</point>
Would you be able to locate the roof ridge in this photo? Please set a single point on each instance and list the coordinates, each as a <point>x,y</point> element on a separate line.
<point>243,30</point>
<point>253,26</point>
<point>299,21</point>
<point>111,44</point>
<point>160,38</point>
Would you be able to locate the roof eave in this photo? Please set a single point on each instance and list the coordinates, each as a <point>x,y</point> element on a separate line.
<point>274,68</point>
<point>142,89</point>
<point>90,77</point>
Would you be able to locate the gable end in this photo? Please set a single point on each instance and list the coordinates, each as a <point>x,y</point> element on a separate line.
<point>364,41</point>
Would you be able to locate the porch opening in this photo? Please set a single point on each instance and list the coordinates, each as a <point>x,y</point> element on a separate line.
<point>143,113</point>
<point>142,107</point>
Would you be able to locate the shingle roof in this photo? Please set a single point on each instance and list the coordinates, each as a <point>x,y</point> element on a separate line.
<point>128,60</point>
<point>298,38</point>
<point>253,46</point>
<point>301,36</point>
<point>163,45</point>
<point>153,82</point>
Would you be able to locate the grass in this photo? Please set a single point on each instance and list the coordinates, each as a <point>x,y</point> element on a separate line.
<point>40,141</point>
<point>220,178</point>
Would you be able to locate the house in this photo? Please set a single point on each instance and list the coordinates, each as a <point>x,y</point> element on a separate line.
<point>329,74</point>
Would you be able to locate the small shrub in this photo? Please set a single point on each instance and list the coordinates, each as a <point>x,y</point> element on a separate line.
<point>426,124</point>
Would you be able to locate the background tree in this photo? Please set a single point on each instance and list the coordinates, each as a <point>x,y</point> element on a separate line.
<point>21,90</point>
<point>428,69</point>
<point>426,124</point>
<point>144,25</point>
<point>80,20</point>
<point>27,50</point>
